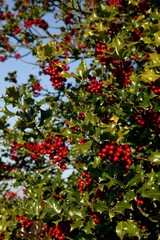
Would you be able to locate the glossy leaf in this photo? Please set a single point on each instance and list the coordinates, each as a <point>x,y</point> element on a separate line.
<point>128,227</point>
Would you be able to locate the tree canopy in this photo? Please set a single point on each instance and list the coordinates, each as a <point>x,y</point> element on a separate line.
<point>101,120</point>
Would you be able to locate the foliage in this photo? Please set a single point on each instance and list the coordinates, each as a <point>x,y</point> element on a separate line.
<point>100,120</point>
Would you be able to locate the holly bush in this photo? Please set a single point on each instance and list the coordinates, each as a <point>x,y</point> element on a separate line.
<point>98,117</point>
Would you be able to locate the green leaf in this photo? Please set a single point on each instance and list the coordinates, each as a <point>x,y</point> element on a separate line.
<point>89,226</point>
<point>82,70</point>
<point>13,92</point>
<point>153,194</point>
<point>155,59</point>
<point>77,224</point>
<point>128,227</point>
<point>146,100</point>
<point>155,157</point>
<point>7,112</point>
<point>96,162</point>
<point>157,38</point>
<point>84,148</point>
<point>44,115</point>
<point>135,180</point>
<point>149,76</point>
<point>90,118</point>
<point>52,205</point>
<point>66,74</point>
<point>121,206</point>
<point>118,44</point>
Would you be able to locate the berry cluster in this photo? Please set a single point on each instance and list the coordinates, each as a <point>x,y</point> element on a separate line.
<point>81,140</point>
<point>81,115</point>
<point>143,6</point>
<point>11,195</point>
<point>24,222</point>
<point>101,50</point>
<point>54,70</point>
<point>96,218</point>
<point>16,31</point>
<point>136,35</point>
<point>114,2</point>
<point>84,181</point>
<point>59,231</point>
<point>2,16</point>
<point>95,86</point>
<point>139,202</point>
<point>6,167</point>
<point>55,148</point>
<point>116,153</point>
<point>3,58</point>
<point>37,22</point>
<point>68,19</point>
<point>148,118</point>
<point>94,215</point>
<point>122,71</point>
<point>36,88</point>
<point>105,117</point>
<point>155,87</point>
<point>115,27</point>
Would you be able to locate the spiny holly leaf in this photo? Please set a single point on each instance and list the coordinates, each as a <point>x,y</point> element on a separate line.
<point>149,76</point>
<point>155,157</point>
<point>135,180</point>
<point>77,224</point>
<point>92,118</point>
<point>121,206</point>
<point>52,205</point>
<point>96,162</point>
<point>83,148</point>
<point>155,59</point>
<point>153,193</point>
<point>82,70</point>
<point>45,114</point>
<point>157,38</point>
<point>89,226</point>
<point>128,227</point>
<point>117,44</point>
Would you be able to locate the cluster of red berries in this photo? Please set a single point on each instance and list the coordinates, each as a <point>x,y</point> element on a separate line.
<point>37,22</point>
<point>106,117</point>
<point>2,16</point>
<point>81,140</point>
<point>139,201</point>
<point>24,221</point>
<point>81,115</point>
<point>116,153</point>
<point>115,27</point>
<point>155,87</point>
<point>148,118</point>
<point>54,147</point>
<point>36,88</point>
<point>59,231</point>
<point>122,71</point>
<point>114,2</point>
<point>136,35</point>
<point>4,166</point>
<point>54,70</point>
<point>95,86</point>
<point>84,181</point>
<point>143,6</point>
<point>94,215</point>
<point>16,31</point>
<point>11,195</point>
<point>68,19</point>
<point>102,50</point>
<point>3,58</point>
<point>1,235</point>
